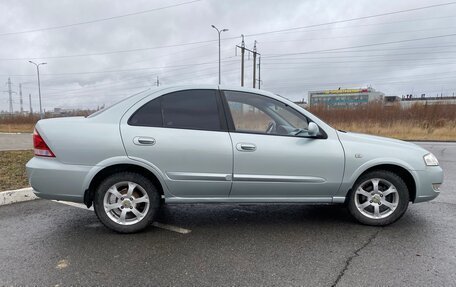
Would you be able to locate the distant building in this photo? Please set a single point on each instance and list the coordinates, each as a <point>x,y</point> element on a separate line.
<point>407,102</point>
<point>344,97</point>
<point>391,100</point>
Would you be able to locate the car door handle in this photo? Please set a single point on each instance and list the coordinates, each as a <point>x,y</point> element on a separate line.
<point>144,141</point>
<point>245,147</point>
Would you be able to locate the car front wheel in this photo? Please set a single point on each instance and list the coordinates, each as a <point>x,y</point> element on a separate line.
<point>378,198</point>
<point>126,202</point>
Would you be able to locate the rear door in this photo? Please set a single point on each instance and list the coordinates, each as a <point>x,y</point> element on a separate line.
<point>184,135</point>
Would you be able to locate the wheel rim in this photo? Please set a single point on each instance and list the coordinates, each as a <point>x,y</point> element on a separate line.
<point>126,203</point>
<point>376,198</point>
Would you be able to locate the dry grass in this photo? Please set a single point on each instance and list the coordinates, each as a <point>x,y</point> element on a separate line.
<point>402,130</point>
<point>17,128</point>
<point>25,123</point>
<point>12,169</point>
<point>420,122</point>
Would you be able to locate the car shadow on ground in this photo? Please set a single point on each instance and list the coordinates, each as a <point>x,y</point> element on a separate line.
<point>268,218</point>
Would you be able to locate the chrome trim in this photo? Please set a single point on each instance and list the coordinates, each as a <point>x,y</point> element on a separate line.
<point>143,141</point>
<point>338,199</point>
<point>198,176</point>
<point>277,178</point>
<point>246,147</point>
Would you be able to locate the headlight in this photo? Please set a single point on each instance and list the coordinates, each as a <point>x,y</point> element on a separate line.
<point>430,159</point>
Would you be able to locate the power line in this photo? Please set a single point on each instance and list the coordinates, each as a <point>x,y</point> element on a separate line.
<point>388,49</point>
<point>374,24</point>
<point>356,83</point>
<point>135,79</point>
<point>208,41</point>
<point>319,66</point>
<point>362,56</point>
<point>412,76</point>
<point>353,19</point>
<point>99,20</point>
<point>112,52</point>
<point>362,46</point>
<point>122,70</point>
<point>356,61</point>
<point>358,35</point>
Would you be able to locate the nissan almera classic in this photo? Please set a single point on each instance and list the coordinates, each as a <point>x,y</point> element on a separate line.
<point>200,144</point>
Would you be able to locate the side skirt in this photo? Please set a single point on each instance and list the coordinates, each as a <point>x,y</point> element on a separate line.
<point>310,200</point>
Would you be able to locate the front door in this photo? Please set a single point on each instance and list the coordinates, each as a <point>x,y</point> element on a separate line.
<point>274,157</point>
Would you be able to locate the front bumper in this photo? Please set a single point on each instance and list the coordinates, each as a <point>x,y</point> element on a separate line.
<point>425,180</point>
<point>51,179</point>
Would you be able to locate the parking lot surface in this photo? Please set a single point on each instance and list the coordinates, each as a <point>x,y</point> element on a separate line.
<point>10,141</point>
<point>48,243</point>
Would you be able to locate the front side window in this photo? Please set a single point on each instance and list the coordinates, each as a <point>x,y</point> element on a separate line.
<point>260,114</point>
<point>190,109</point>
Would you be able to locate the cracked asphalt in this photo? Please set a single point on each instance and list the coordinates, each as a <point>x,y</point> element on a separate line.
<point>47,243</point>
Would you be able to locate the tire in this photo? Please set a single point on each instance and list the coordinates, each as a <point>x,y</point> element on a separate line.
<point>381,206</point>
<point>126,202</point>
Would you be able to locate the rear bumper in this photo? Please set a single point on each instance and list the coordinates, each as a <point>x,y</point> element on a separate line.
<point>51,179</point>
<point>425,180</point>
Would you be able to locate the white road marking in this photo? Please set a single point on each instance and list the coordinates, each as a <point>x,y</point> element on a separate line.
<point>171,227</point>
<point>74,204</point>
<point>155,223</point>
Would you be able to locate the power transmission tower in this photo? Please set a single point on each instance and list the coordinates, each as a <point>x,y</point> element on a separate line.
<point>157,82</point>
<point>259,72</point>
<point>254,63</point>
<point>242,47</point>
<point>20,98</point>
<point>10,94</point>
<point>30,102</point>
<point>254,53</point>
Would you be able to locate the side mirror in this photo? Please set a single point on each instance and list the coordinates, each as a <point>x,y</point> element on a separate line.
<point>312,129</point>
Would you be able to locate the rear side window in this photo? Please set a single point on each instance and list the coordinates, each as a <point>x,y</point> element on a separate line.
<point>148,115</point>
<point>191,109</point>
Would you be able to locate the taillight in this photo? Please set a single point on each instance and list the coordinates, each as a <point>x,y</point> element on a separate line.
<point>40,146</point>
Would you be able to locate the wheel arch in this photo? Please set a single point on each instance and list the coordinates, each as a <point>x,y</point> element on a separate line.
<point>119,167</point>
<point>402,172</point>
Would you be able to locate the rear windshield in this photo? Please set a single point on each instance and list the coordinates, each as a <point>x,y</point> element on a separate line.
<point>105,109</point>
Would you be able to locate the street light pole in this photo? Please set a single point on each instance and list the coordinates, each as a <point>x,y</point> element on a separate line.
<point>39,85</point>
<point>219,58</point>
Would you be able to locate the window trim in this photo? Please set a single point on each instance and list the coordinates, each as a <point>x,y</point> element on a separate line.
<point>220,112</point>
<point>232,128</point>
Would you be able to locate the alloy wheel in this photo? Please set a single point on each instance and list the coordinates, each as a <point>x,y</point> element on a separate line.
<point>376,198</point>
<point>126,203</point>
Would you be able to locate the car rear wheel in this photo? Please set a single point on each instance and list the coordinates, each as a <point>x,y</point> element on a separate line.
<point>378,198</point>
<point>126,202</point>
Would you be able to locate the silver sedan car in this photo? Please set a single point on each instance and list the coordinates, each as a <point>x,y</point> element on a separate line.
<point>215,144</point>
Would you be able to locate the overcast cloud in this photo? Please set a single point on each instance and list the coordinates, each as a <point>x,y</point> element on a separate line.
<point>98,77</point>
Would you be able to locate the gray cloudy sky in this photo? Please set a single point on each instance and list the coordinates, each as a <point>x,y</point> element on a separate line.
<point>102,62</point>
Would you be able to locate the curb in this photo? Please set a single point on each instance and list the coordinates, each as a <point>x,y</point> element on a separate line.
<point>18,195</point>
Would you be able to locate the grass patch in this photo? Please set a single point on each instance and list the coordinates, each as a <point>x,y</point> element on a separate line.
<point>402,130</point>
<point>17,128</point>
<point>12,169</point>
<point>419,122</point>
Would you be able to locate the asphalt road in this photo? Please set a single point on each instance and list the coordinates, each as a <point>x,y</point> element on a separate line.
<point>47,243</point>
<point>15,141</point>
